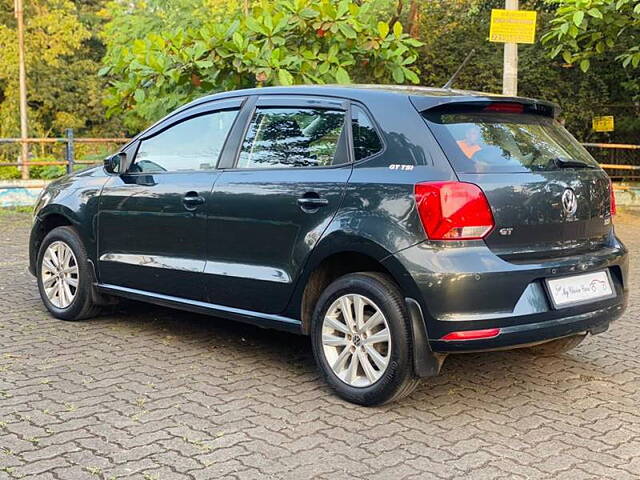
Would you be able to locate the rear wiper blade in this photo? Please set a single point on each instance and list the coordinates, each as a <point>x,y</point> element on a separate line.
<point>569,163</point>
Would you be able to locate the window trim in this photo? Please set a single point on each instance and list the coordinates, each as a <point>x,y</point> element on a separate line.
<point>191,113</point>
<point>297,101</point>
<point>376,127</point>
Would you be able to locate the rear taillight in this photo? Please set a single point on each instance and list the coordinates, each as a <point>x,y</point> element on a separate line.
<point>453,210</point>
<point>612,199</point>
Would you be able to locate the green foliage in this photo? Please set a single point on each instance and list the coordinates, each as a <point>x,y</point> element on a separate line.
<point>9,173</point>
<point>282,42</point>
<point>451,30</point>
<point>586,29</point>
<point>62,60</point>
<point>38,172</point>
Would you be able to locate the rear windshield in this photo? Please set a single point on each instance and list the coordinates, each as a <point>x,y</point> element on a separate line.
<point>487,142</point>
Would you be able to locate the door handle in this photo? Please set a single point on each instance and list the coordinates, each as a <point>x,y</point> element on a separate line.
<point>192,200</point>
<point>312,202</point>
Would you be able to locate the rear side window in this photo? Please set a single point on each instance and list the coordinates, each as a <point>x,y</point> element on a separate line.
<point>293,137</point>
<point>366,141</point>
<point>194,144</point>
<point>484,142</point>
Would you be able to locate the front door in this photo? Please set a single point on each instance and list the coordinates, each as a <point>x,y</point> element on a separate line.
<point>152,219</point>
<point>270,208</point>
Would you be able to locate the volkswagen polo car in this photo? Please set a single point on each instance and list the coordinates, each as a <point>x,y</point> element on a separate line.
<point>392,225</point>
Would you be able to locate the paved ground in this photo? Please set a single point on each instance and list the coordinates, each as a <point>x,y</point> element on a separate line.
<point>153,393</point>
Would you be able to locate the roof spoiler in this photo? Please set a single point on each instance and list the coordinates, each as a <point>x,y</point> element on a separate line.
<point>494,103</point>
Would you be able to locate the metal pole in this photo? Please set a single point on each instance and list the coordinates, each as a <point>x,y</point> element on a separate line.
<point>24,152</point>
<point>70,150</point>
<point>510,72</point>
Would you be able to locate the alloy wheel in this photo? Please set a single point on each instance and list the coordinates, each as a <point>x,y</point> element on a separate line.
<point>60,274</point>
<point>356,340</point>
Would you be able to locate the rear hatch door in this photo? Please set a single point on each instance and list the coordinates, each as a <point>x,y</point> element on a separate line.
<point>548,196</point>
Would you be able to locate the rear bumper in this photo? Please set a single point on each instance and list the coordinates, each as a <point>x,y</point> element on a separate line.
<point>467,287</point>
<point>514,336</point>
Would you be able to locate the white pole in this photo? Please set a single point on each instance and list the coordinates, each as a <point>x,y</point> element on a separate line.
<point>510,72</point>
<point>24,155</point>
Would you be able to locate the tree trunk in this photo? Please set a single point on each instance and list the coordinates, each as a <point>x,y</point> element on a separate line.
<point>414,19</point>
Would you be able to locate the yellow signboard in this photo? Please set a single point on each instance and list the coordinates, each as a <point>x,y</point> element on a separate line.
<point>512,26</point>
<point>603,124</point>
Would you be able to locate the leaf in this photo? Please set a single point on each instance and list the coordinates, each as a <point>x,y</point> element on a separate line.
<point>567,57</point>
<point>254,26</point>
<point>342,76</point>
<point>554,53</point>
<point>397,29</point>
<point>411,76</point>
<point>398,75</point>
<point>383,29</point>
<point>594,12</point>
<point>578,17</point>
<point>139,95</point>
<point>284,77</point>
<point>308,13</point>
<point>347,30</point>
<point>584,65</point>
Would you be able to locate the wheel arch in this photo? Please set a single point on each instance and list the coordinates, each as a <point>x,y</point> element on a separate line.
<point>47,219</point>
<point>338,255</point>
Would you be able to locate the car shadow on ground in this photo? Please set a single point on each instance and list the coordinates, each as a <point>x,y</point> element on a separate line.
<point>508,372</point>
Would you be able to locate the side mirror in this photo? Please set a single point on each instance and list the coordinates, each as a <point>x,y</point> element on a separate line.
<point>113,163</point>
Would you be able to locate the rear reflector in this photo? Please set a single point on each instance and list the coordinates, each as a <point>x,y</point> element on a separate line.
<point>453,210</point>
<point>612,199</point>
<point>472,334</point>
<point>505,108</point>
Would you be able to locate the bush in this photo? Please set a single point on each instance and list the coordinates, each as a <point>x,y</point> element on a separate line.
<point>9,173</point>
<point>38,172</point>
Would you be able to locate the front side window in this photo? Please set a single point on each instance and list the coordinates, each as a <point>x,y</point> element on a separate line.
<point>366,141</point>
<point>293,137</point>
<point>194,144</point>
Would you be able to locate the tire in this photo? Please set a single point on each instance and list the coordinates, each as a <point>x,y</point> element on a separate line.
<point>374,385</point>
<point>555,347</point>
<point>83,296</point>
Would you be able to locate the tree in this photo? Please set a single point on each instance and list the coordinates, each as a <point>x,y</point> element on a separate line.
<point>281,42</point>
<point>583,30</point>
<point>450,30</point>
<point>62,62</point>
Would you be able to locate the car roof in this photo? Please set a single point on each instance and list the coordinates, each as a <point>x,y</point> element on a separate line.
<point>423,98</point>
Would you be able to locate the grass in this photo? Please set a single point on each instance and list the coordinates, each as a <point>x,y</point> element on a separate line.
<point>16,210</point>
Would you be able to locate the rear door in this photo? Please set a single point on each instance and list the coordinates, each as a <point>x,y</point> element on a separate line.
<point>275,199</point>
<point>152,217</point>
<point>548,196</point>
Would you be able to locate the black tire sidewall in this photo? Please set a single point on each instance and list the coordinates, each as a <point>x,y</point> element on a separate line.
<point>82,298</point>
<point>384,294</point>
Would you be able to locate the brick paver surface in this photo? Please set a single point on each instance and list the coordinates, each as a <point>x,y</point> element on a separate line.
<point>151,393</point>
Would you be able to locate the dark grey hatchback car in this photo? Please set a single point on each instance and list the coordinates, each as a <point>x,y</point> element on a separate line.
<point>393,225</point>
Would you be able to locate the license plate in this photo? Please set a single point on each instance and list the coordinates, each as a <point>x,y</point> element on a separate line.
<point>578,289</point>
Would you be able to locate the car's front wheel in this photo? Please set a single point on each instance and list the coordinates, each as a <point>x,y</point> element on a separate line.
<point>64,277</point>
<point>362,340</point>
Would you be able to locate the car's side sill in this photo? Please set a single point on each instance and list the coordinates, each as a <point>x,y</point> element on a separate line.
<point>263,320</point>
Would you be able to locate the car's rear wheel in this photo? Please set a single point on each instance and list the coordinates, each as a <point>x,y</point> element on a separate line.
<point>555,347</point>
<point>362,340</point>
<point>64,277</point>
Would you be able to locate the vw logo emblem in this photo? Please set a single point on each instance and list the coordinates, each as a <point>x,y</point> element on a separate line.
<point>569,201</point>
